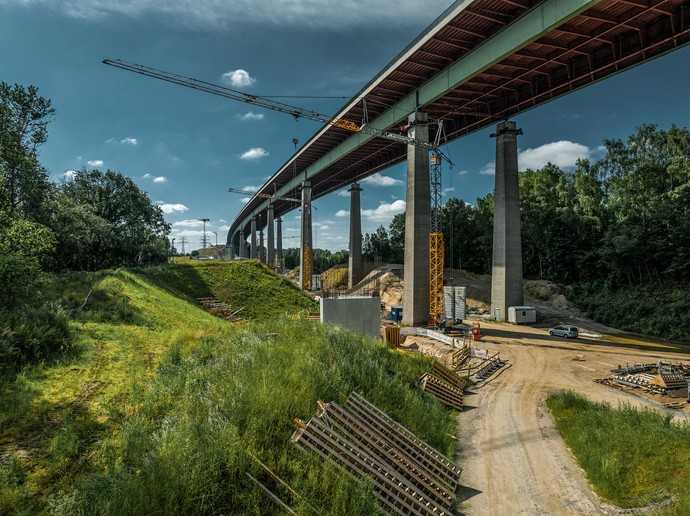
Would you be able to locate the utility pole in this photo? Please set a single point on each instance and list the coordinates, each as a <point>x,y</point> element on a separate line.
<point>203,238</point>
<point>182,241</point>
<point>215,233</point>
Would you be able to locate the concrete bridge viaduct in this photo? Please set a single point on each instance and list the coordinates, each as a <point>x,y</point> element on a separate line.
<point>477,64</point>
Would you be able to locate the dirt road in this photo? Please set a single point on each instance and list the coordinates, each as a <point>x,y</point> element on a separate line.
<point>513,459</point>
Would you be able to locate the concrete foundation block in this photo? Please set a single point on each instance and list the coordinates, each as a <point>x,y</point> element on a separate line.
<point>358,314</point>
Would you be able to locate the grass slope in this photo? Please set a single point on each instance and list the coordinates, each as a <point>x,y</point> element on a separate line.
<point>632,457</point>
<point>242,283</point>
<point>160,409</point>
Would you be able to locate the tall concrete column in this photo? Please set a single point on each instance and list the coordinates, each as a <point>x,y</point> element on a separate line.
<point>506,270</point>
<point>355,260</point>
<point>270,245</point>
<point>262,257</point>
<point>242,245</point>
<point>279,242</point>
<point>417,224</point>
<point>305,231</point>
<point>252,239</point>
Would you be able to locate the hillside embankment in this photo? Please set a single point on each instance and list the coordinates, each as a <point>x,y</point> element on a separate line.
<point>163,408</point>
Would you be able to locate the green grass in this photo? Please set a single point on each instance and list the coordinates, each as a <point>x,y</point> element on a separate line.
<point>160,407</point>
<point>632,457</point>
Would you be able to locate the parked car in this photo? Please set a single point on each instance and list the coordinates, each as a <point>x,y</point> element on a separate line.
<point>569,332</point>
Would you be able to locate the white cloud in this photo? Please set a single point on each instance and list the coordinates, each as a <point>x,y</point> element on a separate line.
<point>489,169</point>
<point>462,173</point>
<point>69,174</point>
<point>254,153</point>
<point>169,208</point>
<point>385,211</point>
<point>562,154</point>
<point>189,223</point>
<point>342,213</point>
<point>238,78</point>
<point>343,193</point>
<point>381,180</point>
<point>95,163</point>
<point>146,176</point>
<point>218,14</point>
<point>245,200</point>
<point>222,221</point>
<point>447,190</point>
<point>160,179</point>
<point>251,116</point>
<point>250,189</point>
<point>124,141</point>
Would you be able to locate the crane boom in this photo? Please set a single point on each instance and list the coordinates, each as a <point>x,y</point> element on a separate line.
<point>263,102</point>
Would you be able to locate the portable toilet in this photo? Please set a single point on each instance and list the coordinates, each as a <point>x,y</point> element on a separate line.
<point>522,314</point>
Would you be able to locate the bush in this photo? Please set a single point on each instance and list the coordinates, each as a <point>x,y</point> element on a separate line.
<point>31,335</point>
<point>661,310</point>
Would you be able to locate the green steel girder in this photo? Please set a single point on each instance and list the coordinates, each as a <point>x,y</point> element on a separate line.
<point>531,26</point>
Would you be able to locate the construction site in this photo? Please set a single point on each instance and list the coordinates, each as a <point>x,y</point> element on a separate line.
<point>223,381</point>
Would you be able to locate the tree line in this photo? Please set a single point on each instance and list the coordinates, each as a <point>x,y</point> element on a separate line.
<point>623,219</point>
<point>93,220</point>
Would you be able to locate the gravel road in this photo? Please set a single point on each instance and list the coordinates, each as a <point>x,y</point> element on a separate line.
<point>513,459</point>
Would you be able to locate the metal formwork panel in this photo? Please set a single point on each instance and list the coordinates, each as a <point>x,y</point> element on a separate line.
<point>394,492</point>
<point>412,444</point>
<point>449,302</point>
<point>387,451</point>
<point>444,392</point>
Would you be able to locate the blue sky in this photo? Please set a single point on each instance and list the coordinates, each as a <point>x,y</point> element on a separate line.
<point>185,148</point>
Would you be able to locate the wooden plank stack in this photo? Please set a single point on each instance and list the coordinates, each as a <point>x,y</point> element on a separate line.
<point>408,475</point>
<point>391,335</point>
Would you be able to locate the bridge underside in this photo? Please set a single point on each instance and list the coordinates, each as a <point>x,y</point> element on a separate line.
<point>604,38</point>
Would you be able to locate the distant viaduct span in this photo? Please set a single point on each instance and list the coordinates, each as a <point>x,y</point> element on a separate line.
<point>477,64</point>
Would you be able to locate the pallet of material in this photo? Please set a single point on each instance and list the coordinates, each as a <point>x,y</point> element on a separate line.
<point>442,391</point>
<point>408,476</point>
<point>391,336</point>
<point>459,357</point>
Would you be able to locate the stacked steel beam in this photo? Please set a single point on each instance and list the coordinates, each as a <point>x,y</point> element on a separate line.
<point>409,477</point>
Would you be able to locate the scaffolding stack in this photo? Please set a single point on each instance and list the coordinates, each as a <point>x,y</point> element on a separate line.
<point>409,477</point>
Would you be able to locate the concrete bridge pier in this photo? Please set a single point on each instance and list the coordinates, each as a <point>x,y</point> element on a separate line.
<point>506,270</point>
<point>270,244</point>
<point>242,245</point>
<point>262,249</point>
<point>305,237</point>
<point>355,265</point>
<point>252,240</point>
<point>279,247</point>
<point>417,224</point>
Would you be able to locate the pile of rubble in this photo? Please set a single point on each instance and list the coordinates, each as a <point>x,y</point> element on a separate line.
<point>408,475</point>
<point>662,378</point>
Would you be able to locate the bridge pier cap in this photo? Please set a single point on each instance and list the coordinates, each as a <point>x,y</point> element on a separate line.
<point>506,270</point>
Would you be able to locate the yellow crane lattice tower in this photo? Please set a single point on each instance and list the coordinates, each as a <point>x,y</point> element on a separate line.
<point>436,247</point>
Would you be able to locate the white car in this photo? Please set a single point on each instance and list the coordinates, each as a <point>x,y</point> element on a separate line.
<point>569,332</point>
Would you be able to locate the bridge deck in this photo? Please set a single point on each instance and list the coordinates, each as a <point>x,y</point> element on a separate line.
<point>481,61</point>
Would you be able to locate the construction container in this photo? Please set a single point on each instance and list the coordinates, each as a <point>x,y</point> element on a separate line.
<point>522,314</point>
<point>454,303</point>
